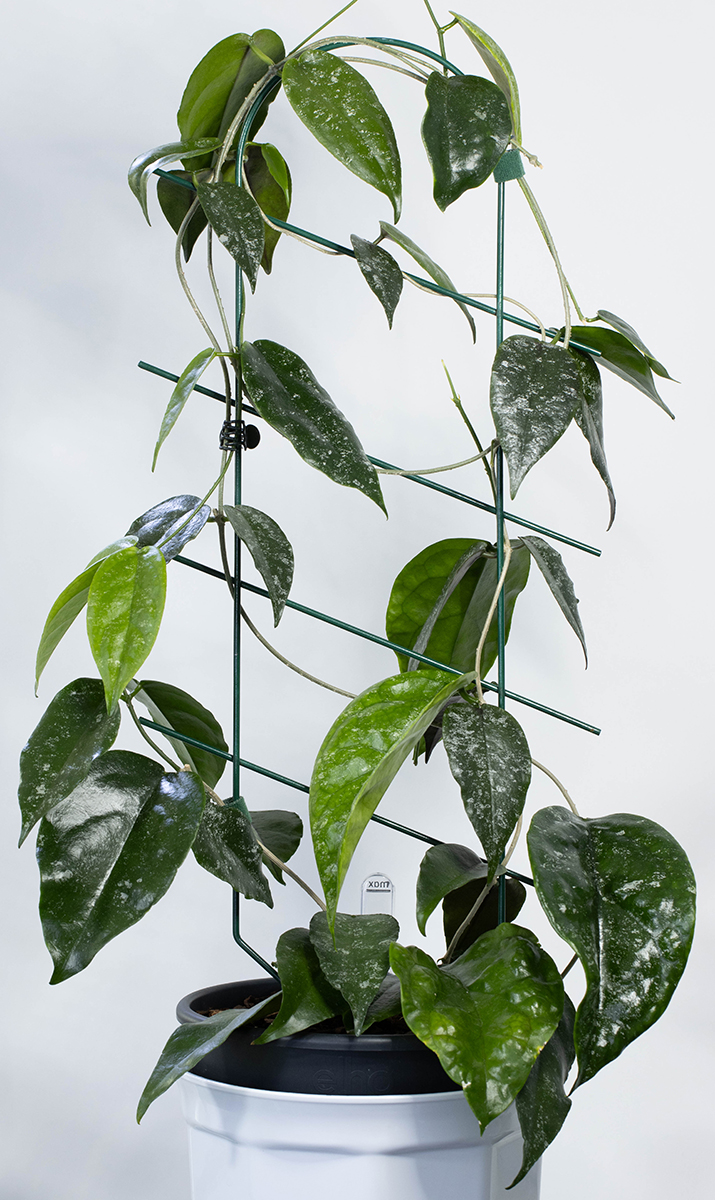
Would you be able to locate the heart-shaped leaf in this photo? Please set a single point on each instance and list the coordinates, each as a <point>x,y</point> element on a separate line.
<point>280,832</point>
<point>187,382</point>
<point>175,200</point>
<point>466,130</point>
<point>270,550</point>
<point>443,869</point>
<point>289,397</point>
<point>620,355</point>
<point>620,890</point>
<point>307,998</point>
<point>551,565</point>
<point>542,1104</point>
<point>166,525</point>
<point>535,392</point>
<point>225,844</point>
<point>458,904</point>
<point>237,222</point>
<point>162,156</point>
<point>498,66</point>
<point>428,264</point>
<point>176,709</point>
<point>340,108</point>
<point>124,611</point>
<point>109,851</point>
<point>74,730</point>
<point>359,758</point>
<point>628,331</point>
<point>590,421</point>
<point>270,185</point>
<point>382,273</point>
<point>355,956</point>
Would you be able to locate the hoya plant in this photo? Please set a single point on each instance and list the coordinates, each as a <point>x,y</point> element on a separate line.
<point>115,825</point>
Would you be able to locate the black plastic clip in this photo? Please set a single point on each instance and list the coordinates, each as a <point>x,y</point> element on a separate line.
<point>237,435</point>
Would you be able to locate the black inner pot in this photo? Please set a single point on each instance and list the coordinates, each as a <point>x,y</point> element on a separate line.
<point>316,1062</point>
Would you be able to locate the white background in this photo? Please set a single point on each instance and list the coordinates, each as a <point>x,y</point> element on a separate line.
<point>615,105</point>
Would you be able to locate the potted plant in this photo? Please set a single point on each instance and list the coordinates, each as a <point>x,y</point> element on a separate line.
<point>115,826</point>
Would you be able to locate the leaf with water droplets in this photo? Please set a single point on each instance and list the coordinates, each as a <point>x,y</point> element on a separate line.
<point>355,956</point>
<point>225,844</point>
<point>542,1104</point>
<point>428,264</point>
<point>466,130</point>
<point>551,565</point>
<point>170,524</point>
<point>382,273</point>
<point>270,550</point>
<point>237,222</point>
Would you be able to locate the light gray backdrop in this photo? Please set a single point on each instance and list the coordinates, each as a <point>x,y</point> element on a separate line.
<point>615,105</point>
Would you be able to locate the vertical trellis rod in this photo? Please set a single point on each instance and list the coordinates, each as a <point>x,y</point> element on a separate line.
<point>499,463</point>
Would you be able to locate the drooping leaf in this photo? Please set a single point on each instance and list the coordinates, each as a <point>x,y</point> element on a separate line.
<point>270,184</point>
<point>499,67</point>
<point>552,567</point>
<point>69,605</point>
<point>340,108</point>
<point>428,264</point>
<point>628,331</point>
<point>443,869</point>
<point>110,851</point>
<point>225,844</point>
<point>589,419</point>
<point>270,550</point>
<point>190,1043</point>
<point>74,730</point>
<point>279,831</point>
<point>176,709</point>
<point>175,200</point>
<point>124,611</point>
<point>620,890</point>
<point>458,904</point>
<point>359,758</point>
<point>166,525</point>
<point>382,273</point>
<point>236,220</point>
<point>386,1004</point>
<point>187,382</point>
<point>618,354</point>
<point>487,1015</point>
<point>490,760</point>
<point>535,392</point>
<point>355,957</point>
<point>466,130</point>
<point>542,1104</point>
<point>307,998</point>
<point>162,156</point>
<point>289,397</point>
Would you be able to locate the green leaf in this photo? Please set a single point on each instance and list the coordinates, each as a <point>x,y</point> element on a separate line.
<point>190,1043</point>
<point>339,107</point>
<point>590,421</point>
<point>308,998</point>
<point>162,156</point>
<point>73,731</point>
<point>166,526</point>
<point>237,222</point>
<point>428,265</point>
<point>620,890</point>
<point>124,611</point>
<point>487,1015</point>
<point>551,565</point>
<point>490,760</point>
<point>176,709</point>
<point>359,758</point>
<point>279,831</point>
<point>628,331</point>
<point>619,355</point>
<point>187,382</point>
<point>535,392</point>
<point>466,130</point>
<point>382,273</point>
<point>69,605</point>
<point>270,184</point>
<point>289,397</point>
<point>443,869</point>
<point>270,550</point>
<point>387,1003</point>
<point>109,851</point>
<point>498,66</point>
<point>457,905</point>
<point>355,957</point>
<point>542,1104</point>
<point>175,201</point>
<point>226,845</point>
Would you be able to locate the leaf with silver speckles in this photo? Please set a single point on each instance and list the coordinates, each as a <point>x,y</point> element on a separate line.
<point>542,1104</point>
<point>357,958</point>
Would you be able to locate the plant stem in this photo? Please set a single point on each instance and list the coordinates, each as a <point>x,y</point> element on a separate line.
<point>490,614</point>
<point>296,878</point>
<point>184,282</point>
<point>569,965</point>
<point>298,670</point>
<point>219,302</point>
<point>440,31</point>
<point>559,785</point>
<point>174,532</point>
<point>510,300</point>
<point>322,27</point>
<point>374,62</point>
<point>146,737</point>
<point>460,409</point>
<point>434,470</point>
<point>563,281</point>
<point>221,524</point>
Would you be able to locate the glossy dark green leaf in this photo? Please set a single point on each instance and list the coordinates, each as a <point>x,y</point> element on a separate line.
<point>458,904</point>
<point>443,869</point>
<point>145,164</point>
<point>175,200</point>
<point>499,67</point>
<point>428,265</point>
<point>289,397</point>
<point>237,222</point>
<point>308,998</point>
<point>620,890</point>
<point>190,1043</point>
<point>535,392</point>
<point>226,845</point>
<point>628,331</point>
<point>552,567</point>
<point>176,709</point>
<point>166,525</point>
<point>490,760</point>
<point>69,605</point>
<point>487,1015</point>
<point>279,831</point>
<point>187,382</point>
<point>124,611</point>
<point>466,130</point>
<point>74,730</point>
<point>109,851</point>
<point>387,1003</point>
<point>542,1104</point>
<point>619,355</point>
<point>340,108</point>
<point>270,184</point>
<point>270,550</point>
<point>382,273</point>
<point>359,758</point>
<point>589,419</point>
<point>355,956</point>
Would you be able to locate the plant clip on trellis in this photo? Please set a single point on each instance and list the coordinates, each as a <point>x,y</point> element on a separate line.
<point>488,1030</point>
